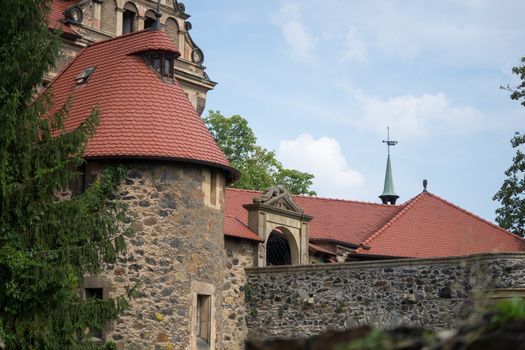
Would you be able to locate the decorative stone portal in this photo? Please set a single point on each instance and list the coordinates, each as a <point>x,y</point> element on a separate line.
<point>277,219</point>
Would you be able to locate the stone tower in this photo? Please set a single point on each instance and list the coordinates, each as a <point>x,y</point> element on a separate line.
<point>84,22</point>
<point>173,191</point>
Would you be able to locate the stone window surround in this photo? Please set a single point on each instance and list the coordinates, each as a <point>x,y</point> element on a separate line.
<point>202,288</point>
<point>213,188</point>
<point>97,282</point>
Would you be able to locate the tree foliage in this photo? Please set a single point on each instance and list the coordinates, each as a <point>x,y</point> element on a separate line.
<point>47,245</point>
<point>259,167</point>
<point>511,214</point>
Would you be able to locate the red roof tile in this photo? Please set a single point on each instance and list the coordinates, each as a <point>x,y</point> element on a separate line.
<point>142,116</point>
<point>236,228</point>
<point>429,226</point>
<point>425,226</point>
<point>335,220</point>
<point>344,221</point>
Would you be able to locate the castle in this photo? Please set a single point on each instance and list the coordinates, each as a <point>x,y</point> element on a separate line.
<point>197,238</point>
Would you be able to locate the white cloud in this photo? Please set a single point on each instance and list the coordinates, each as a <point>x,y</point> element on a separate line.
<point>354,48</point>
<point>412,116</point>
<point>323,158</point>
<point>299,41</point>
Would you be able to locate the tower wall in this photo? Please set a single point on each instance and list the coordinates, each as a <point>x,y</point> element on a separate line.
<point>176,255</point>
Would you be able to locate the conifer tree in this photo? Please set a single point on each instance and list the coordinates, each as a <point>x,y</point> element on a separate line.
<point>46,245</point>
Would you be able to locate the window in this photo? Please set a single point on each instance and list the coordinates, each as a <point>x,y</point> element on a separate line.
<point>203,318</point>
<point>213,188</point>
<point>95,288</point>
<point>77,184</point>
<point>128,19</point>
<point>95,294</point>
<point>84,76</point>
<point>150,19</point>
<point>161,62</point>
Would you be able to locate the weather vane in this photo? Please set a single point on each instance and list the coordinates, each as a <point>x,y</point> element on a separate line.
<point>388,142</point>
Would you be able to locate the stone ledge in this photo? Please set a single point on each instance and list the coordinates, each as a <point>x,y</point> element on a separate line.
<point>386,263</point>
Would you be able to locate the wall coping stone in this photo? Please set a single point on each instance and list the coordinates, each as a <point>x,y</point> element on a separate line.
<point>385,263</point>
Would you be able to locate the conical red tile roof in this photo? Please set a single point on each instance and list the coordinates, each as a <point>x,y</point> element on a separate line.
<point>142,116</point>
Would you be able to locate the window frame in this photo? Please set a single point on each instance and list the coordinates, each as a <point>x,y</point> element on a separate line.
<point>97,282</point>
<point>164,58</point>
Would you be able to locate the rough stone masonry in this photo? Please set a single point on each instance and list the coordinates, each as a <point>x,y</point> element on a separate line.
<point>305,300</point>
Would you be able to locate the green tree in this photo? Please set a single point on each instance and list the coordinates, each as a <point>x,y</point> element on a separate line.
<point>46,245</point>
<point>511,214</point>
<point>259,167</point>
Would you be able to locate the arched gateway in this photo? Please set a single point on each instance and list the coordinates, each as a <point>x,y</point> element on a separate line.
<point>283,226</point>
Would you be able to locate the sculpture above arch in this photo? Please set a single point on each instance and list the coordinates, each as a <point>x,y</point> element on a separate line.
<point>279,197</point>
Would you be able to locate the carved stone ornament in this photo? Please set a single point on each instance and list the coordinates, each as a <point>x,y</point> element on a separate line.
<point>179,6</point>
<point>197,56</point>
<point>278,197</point>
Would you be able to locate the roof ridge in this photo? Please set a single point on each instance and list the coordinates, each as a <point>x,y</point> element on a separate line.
<point>395,218</point>
<point>475,216</point>
<point>349,200</point>
<point>117,37</point>
<point>323,198</point>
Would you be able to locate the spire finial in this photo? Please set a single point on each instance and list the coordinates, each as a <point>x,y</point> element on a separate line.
<point>389,196</point>
<point>158,15</point>
<point>388,142</point>
<point>425,184</point>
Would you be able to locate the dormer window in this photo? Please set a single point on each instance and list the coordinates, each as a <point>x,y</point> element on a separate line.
<point>84,76</point>
<point>161,62</point>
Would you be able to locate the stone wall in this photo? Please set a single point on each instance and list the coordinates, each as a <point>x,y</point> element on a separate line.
<point>178,251</point>
<point>239,255</point>
<point>305,300</point>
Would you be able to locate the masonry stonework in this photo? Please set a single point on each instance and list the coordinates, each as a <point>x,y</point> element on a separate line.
<point>305,300</point>
<point>239,255</point>
<point>177,252</point>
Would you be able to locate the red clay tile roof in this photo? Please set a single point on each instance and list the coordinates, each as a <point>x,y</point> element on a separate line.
<point>429,226</point>
<point>236,228</point>
<point>142,116</point>
<point>317,248</point>
<point>56,15</point>
<point>339,221</point>
<point>425,226</point>
<point>343,221</point>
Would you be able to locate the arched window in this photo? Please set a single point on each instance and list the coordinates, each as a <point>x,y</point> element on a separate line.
<point>172,29</point>
<point>149,19</point>
<point>129,18</point>
<point>278,249</point>
<point>108,18</point>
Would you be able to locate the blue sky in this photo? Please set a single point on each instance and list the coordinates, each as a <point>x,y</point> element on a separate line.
<point>319,82</point>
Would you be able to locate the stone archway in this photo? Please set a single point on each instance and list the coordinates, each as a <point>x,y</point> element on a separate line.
<point>276,211</point>
<point>281,248</point>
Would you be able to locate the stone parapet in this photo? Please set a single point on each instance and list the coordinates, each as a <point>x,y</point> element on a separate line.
<point>434,293</point>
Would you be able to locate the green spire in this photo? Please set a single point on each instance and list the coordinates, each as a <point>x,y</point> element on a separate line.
<point>389,195</point>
